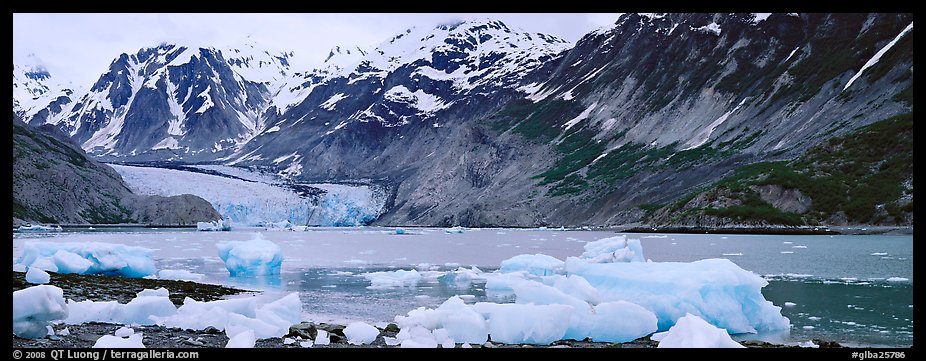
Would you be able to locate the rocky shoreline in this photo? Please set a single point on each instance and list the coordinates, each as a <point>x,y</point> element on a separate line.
<point>110,288</point>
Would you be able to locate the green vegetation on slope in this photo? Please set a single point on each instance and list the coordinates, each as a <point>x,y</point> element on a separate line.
<point>859,175</point>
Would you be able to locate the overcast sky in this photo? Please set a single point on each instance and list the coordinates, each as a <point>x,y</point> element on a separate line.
<point>80,47</point>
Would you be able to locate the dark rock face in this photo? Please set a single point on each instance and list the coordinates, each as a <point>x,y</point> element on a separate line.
<point>55,182</point>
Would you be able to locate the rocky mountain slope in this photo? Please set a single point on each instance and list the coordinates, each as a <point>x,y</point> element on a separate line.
<point>863,177</point>
<point>474,123</point>
<point>54,181</point>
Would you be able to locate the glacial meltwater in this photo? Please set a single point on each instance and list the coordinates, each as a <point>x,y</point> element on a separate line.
<point>855,290</point>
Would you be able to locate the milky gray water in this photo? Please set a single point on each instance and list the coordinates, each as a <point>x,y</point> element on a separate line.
<point>857,290</point>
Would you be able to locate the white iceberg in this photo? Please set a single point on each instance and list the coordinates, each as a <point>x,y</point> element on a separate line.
<point>37,276</point>
<point>390,279</point>
<point>613,249</point>
<point>219,225</point>
<point>716,290</point>
<point>694,332</point>
<point>256,257</point>
<point>180,275</point>
<point>525,324</point>
<point>34,309</point>
<point>39,228</point>
<point>144,309</point>
<point>90,258</point>
<point>244,339</point>
<point>535,264</point>
<point>461,322</point>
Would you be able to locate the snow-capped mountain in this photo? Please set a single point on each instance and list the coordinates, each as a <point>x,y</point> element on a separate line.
<point>174,101</point>
<point>409,79</point>
<point>475,123</point>
<point>39,98</point>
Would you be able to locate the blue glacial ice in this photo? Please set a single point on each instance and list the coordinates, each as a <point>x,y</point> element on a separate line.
<point>255,257</point>
<point>609,294</point>
<point>259,200</point>
<point>89,258</point>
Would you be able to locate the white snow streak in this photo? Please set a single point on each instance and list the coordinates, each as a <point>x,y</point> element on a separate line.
<point>874,59</point>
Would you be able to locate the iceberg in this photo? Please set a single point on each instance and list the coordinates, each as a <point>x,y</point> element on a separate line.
<point>389,279</point>
<point>37,276</point>
<point>89,258</point>
<point>530,324</point>
<point>716,290</point>
<point>694,332</point>
<point>219,225</point>
<point>613,249</point>
<point>608,294</point>
<point>245,339</point>
<point>270,319</point>
<point>34,309</point>
<point>144,309</point>
<point>180,275</point>
<point>461,322</point>
<point>38,228</point>
<point>256,257</point>
<point>535,264</point>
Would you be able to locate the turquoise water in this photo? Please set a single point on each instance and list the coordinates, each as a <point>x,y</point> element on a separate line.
<point>856,290</point>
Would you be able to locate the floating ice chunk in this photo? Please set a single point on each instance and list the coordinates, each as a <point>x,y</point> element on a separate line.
<point>399,231</point>
<point>714,289</point>
<point>814,318</point>
<point>256,257</point>
<point>530,324</point>
<point>104,258</point>
<point>897,279</point>
<point>461,277</point>
<point>389,279</point>
<point>306,344</point>
<point>360,333</point>
<point>790,304</point>
<point>809,344</point>
<point>321,338</point>
<point>37,276</point>
<point>108,341</point>
<point>219,225</point>
<point>799,247</point>
<point>808,327</point>
<point>614,249</point>
<point>693,332</point>
<point>454,230</point>
<point>180,275</point>
<point>245,339</point>
<point>64,332</point>
<point>289,341</point>
<point>461,322</point>
<point>39,228</point>
<point>17,267</point>
<point>536,264</point>
<point>35,307</point>
<point>879,254</point>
